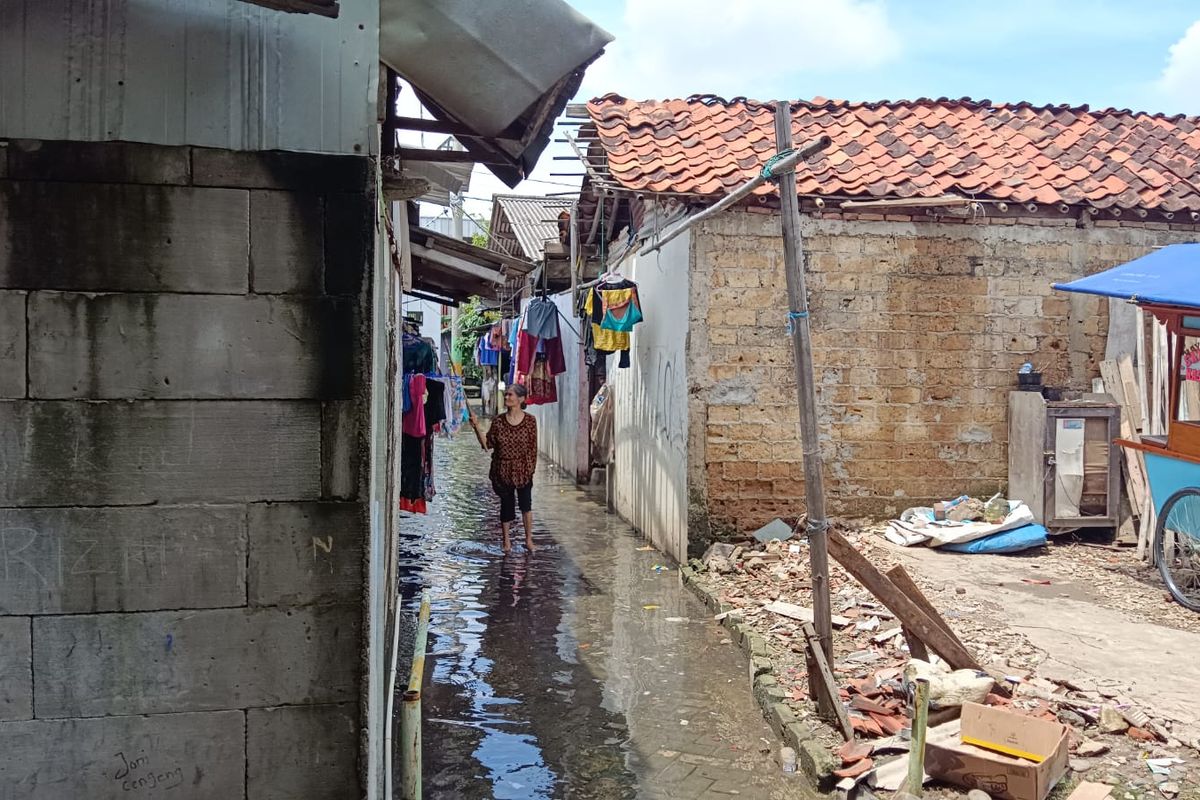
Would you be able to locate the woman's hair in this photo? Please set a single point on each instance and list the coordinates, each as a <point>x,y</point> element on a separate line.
<point>521,392</point>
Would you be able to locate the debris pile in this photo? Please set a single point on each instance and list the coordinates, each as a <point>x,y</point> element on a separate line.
<point>768,584</point>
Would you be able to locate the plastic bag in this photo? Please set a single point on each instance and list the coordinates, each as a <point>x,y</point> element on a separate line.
<point>602,425</point>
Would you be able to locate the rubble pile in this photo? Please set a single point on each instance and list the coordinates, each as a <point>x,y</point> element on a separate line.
<point>769,586</point>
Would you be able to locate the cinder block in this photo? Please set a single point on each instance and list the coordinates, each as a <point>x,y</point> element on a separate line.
<point>287,242</point>
<point>63,453</point>
<point>180,756</point>
<point>75,560</point>
<point>98,162</point>
<point>171,661</point>
<point>340,452</point>
<point>16,677</point>
<point>123,237</point>
<point>349,224</point>
<point>12,344</point>
<point>190,346</point>
<point>302,553</point>
<point>308,752</point>
<point>304,172</point>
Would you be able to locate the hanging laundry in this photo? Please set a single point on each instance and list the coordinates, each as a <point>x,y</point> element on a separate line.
<point>614,308</point>
<point>540,335</point>
<point>413,459</point>
<point>413,421</point>
<point>543,388</point>
<point>418,355</point>
<point>541,318</point>
<point>485,354</point>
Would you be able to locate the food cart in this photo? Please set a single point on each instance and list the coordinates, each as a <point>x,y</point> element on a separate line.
<point>1166,283</point>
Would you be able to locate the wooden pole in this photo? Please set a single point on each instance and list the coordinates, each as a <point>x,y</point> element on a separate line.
<point>785,165</point>
<point>920,725</point>
<point>798,327</point>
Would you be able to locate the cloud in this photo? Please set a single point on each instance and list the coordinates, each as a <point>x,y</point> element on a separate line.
<point>1180,80</point>
<point>673,48</point>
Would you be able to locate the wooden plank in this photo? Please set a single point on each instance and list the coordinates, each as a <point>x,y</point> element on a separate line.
<point>1137,464</point>
<point>793,611</point>
<point>904,582</point>
<point>1091,791</point>
<point>829,685</point>
<point>1135,479</point>
<point>907,611</point>
<point>1133,396</point>
<point>916,648</point>
<point>1026,451</point>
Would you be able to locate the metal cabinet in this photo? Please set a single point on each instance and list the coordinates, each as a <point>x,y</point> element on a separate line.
<point>1062,461</point>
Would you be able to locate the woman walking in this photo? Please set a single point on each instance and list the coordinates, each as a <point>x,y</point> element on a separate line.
<point>512,438</point>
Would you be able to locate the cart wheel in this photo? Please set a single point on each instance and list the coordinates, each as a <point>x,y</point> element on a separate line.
<point>1177,546</point>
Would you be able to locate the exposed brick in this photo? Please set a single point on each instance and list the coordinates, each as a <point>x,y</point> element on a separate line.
<point>917,329</point>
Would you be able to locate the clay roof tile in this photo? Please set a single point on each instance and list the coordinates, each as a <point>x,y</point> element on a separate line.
<point>916,148</point>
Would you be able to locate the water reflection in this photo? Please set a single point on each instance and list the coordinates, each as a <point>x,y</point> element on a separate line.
<point>547,675</point>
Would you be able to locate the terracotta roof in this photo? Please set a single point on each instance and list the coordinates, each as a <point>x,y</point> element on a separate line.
<point>705,145</point>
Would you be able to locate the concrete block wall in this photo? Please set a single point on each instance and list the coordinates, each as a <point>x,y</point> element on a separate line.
<point>918,330</point>
<point>181,507</point>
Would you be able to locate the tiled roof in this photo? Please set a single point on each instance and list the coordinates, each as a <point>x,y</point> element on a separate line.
<point>922,148</point>
<point>522,224</point>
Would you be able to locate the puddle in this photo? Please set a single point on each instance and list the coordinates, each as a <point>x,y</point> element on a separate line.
<point>545,676</point>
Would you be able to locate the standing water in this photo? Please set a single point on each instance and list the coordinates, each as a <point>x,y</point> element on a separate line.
<point>577,671</point>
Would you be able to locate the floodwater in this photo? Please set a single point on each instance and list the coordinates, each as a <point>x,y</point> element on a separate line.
<point>583,670</point>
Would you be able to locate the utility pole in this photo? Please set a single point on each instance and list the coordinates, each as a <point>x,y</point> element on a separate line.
<point>798,330</point>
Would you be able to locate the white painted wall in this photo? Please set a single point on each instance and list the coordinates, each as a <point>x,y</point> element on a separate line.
<point>558,423</point>
<point>650,415</point>
<point>213,73</point>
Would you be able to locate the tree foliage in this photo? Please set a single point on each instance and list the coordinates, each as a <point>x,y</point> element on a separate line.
<point>472,323</point>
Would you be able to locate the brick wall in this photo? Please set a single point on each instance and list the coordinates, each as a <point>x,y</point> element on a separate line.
<point>181,505</point>
<point>918,330</point>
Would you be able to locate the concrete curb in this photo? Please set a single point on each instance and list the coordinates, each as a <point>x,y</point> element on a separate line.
<point>814,758</point>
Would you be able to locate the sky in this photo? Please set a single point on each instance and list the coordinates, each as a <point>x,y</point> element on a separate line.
<point>1139,55</point>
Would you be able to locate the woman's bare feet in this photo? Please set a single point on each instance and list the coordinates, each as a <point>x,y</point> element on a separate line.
<point>527,524</point>
<point>507,544</point>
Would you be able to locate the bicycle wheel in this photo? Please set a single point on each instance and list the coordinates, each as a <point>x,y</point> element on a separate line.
<point>1177,546</point>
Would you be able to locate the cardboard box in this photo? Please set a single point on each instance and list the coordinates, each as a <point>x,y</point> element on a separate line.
<point>1003,776</point>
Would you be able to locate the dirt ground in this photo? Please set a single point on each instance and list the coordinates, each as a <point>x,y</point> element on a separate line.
<point>1072,620</point>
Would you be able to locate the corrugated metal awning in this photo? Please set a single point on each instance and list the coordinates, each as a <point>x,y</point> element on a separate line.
<point>523,224</point>
<point>504,70</point>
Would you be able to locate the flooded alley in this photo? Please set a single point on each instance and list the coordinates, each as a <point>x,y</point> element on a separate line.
<point>584,670</point>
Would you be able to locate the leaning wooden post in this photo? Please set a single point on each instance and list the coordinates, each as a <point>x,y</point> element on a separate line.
<point>798,328</point>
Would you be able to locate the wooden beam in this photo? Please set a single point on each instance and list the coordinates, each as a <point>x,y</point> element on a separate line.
<point>798,329</point>
<point>948,201</point>
<point>461,264</point>
<point>446,301</point>
<point>446,156</point>
<point>827,682</point>
<point>439,126</point>
<point>908,612</point>
<point>904,582</point>
<point>784,166</point>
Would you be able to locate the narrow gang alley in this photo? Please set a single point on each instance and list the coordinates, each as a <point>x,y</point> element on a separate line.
<point>579,671</point>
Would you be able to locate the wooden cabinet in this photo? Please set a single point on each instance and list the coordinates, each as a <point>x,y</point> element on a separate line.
<point>1062,461</point>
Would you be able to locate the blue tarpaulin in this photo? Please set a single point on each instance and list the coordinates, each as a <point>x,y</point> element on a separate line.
<point>1013,541</point>
<point>1168,276</point>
